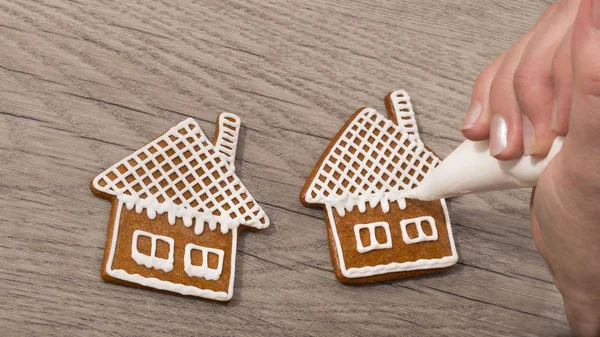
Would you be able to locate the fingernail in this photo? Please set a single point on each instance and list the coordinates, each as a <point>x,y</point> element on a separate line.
<point>529,143</point>
<point>472,116</point>
<point>498,135</point>
<point>596,13</point>
<point>555,115</point>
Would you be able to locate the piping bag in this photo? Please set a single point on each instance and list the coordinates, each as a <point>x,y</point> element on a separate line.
<point>471,169</point>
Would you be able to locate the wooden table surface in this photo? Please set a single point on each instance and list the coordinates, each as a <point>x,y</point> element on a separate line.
<point>83,83</point>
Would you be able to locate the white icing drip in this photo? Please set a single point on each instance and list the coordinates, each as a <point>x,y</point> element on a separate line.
<point>192,176</point>
<point>189,216</point>
<point>373,162</point>
<point>348,204</point>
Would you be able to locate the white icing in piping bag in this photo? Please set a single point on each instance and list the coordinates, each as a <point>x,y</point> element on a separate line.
<point>471,169</point>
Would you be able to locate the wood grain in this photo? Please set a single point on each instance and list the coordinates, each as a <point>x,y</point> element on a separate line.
<point>83,83</point>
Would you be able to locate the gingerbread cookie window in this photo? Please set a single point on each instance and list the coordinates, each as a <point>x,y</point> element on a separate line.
<point>203,268</point>
<point>420,225</point>
<point>372,241</point>
<point>150,258</point>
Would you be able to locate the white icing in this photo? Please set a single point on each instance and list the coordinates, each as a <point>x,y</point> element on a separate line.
<point>393,267</point>
<point>373,243</point>
<point>421,236</point>
<point>204,186</point>
<point>166,285</point>
<point>203,270</point>
<point>471,169</point>
<point>389,160</point>
<point>189,216</point>
<point>151,261</point>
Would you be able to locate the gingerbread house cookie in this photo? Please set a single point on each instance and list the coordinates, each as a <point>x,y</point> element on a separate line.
<point>177,209</point>
<point>374,233</point>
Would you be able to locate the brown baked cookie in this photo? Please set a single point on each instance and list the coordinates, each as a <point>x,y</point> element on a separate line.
<point>177,209</point>
<point>374,233</point>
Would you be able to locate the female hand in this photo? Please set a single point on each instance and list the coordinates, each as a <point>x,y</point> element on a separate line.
<point>522,100</point>
<point>548,84</point>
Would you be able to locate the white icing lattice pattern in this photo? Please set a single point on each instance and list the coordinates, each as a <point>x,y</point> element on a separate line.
<point>373,161</point>
<point>183,174</point>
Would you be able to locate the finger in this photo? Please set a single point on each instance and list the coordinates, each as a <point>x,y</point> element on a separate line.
<point>535,228</point>
<point>562,79</point>
<point>533,79</point>
<point>506,139</point>
<point>476,125</point>
<point>584,121</point>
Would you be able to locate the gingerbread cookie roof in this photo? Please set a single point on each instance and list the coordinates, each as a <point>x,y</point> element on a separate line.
<point>184,174</point>
<point>372,160</point>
